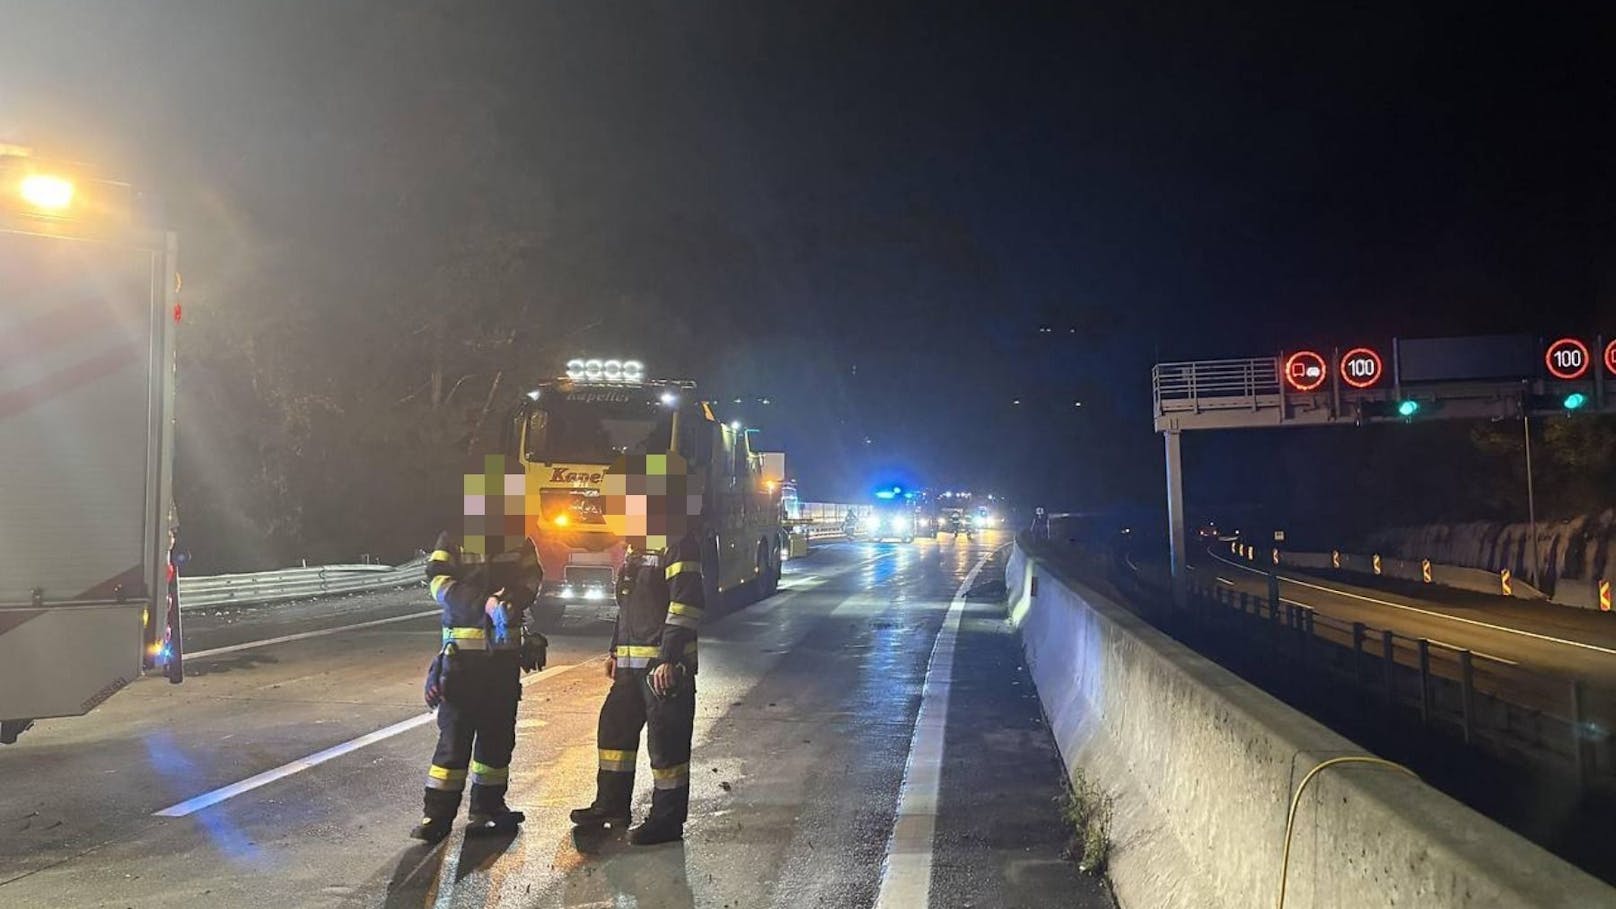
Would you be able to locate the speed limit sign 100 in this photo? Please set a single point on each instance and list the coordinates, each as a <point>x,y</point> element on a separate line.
<point>1567,359</point>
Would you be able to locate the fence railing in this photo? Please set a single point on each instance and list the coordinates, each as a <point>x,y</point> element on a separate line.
<point>295,584</point>
<point>1489,703</point>
<point>1214,384</point>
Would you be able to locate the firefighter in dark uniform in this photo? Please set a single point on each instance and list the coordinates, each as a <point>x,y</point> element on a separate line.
<point>475,684</point>
<point>653,670</point>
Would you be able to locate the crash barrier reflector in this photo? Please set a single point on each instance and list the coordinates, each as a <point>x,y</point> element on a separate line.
<point>1276,557</point>
<point>1504,584</point>
<point>1206,764</point>
<point>296,584</point>
<point>1335,558</point>
<point>1425,570</point>
<point>1375,559</point>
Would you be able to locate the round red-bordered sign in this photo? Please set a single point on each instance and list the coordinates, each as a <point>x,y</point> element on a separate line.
<point>1305,370</point>
<point>1361,367</point>
<point>1567,359</point>
<point>1610,357</point>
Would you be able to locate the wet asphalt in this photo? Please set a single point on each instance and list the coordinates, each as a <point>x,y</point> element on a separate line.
<point>806,706</point>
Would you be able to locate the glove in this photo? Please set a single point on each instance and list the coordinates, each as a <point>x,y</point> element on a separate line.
<point>535,650</point>
<point>436,566</point>
<point>434,683</point>
<point>439,674</point>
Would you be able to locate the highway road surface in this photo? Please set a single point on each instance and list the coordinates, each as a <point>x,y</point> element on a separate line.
<point>288,767</point>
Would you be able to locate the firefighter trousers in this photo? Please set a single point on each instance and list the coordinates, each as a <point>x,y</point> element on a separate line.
<point>476,734</point>
<point>669,723</point>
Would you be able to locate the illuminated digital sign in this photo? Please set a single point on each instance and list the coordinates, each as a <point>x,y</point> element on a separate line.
<point>1567,359</point>
<point>1305,370</point>
<point>1361,367</point>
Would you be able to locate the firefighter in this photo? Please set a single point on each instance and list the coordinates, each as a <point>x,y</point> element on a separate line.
<point>652,666</point>
<point>475,683</point>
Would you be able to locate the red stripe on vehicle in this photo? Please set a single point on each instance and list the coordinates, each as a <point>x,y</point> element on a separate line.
<point>132,579</point>
<point>11,618</point>
<point>51,330</point>
<point>59,383</point>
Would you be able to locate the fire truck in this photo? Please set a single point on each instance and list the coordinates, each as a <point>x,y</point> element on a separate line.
<point>567,432</point>
<point>87,313</point>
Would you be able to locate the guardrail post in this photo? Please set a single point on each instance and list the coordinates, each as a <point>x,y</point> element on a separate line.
<point>1579,754</point>
<point>1467,683</point>
<point>1358,629</point>
<point>1388,660</point>
<point>1425,682</point>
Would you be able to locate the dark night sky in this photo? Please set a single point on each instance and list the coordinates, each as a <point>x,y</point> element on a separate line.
<point>871,208</point>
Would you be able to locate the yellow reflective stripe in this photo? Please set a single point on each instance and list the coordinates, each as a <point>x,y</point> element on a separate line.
<point>485,775</point>
<point>676,777</point>
<point>682,621</point>
<point>617,761</point>
<point>681,568</point>
<point>438,583</point>
<point>446,773</point>
<point>678,608</point>
<point>464,633</point>
<point>441,555</point>
<point>638,650</point>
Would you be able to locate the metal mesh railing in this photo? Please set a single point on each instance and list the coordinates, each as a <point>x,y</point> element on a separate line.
<point>1214,384</point>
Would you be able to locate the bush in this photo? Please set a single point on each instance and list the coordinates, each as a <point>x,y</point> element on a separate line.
<point>1087,810</point>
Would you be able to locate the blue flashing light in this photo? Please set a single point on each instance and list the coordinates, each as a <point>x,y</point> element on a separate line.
<point>1408,408</point>
<point>1575,400</point>
<point>885,494</point>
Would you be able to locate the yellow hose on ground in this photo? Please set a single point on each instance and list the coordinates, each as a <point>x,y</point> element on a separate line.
<point>1290,816</point>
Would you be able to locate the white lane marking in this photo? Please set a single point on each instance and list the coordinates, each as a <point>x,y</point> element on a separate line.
<point>305,635</point>
<point>209,799</point>
<point>1435,615</point>
<point>906,872</point>
<point>1224,580</point>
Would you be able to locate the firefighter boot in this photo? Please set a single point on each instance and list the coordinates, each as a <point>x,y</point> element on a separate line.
<point>437,816</point>
<point>489,813</point>
<point>599,817</point>
<point>656,832</point>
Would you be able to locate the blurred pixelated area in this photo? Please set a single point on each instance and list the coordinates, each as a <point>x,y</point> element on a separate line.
<point>500,510</point>
<point>651,500</point>
<point>648,500</point>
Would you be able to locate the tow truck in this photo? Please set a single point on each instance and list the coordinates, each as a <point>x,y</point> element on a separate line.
<point>566,433</point>
<point>87,323</point>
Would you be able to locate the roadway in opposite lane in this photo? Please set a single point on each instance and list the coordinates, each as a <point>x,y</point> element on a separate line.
<point>867,736</point>
<point>1534,637</point>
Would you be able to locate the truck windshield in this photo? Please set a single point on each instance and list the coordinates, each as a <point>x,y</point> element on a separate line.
<point>595,432</point>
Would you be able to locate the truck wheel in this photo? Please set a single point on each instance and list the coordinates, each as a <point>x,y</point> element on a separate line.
<point>709,578</point>
<point>770,578</point>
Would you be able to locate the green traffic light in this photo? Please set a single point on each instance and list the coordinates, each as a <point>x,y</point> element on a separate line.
<point>1408,408</point>
<point>1575,400</point>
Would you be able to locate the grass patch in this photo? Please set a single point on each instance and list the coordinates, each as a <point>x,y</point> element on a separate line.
<point>1087,810</point>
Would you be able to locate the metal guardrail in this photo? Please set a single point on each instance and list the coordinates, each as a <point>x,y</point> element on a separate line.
<point>1516,714</point>
<point>1214,384</point>
<point>295,584</point>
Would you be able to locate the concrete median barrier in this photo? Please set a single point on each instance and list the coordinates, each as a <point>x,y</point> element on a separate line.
<point>1202,767</point>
